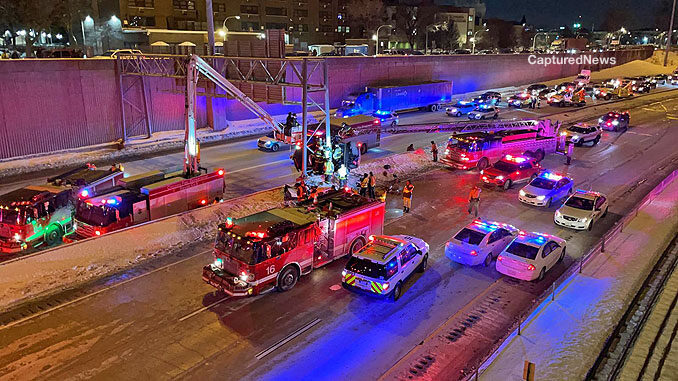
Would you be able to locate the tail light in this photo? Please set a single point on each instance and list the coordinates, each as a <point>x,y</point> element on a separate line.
<point>385,286</point>
<point>220,172</point>
<point>500,258</point>
<point>203,202</point>
<point>530,267</point>
<point>474,253</point>
<point>97,232</point>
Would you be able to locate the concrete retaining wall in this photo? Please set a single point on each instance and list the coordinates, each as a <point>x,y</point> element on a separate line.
<point>51,105</point>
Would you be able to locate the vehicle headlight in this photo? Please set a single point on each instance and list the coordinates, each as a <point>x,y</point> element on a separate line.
<point>478,116</point>
<point>575,137</point>
<point>558,214</point>
<point>563,133</point>
<point>267,143</point>
<point>615,122</point>
<point>17,237</point>
<point>584,219</point>
<point>522,192</point>
<point>447,151</point>
<point>244,276</point>
<point>454,110</point>
<point>219,263</point>
<point>541,198</point>
<point>600,120</point>
<point>343,273</point>
<point>500,177</point>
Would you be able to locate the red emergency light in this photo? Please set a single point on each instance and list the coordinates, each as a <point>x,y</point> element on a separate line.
<point>229,222</point>
<point>474,253</point>
<point>260,235</point>
<point>220,172</point>
<point>84,193</point>
<point>376,121</point>
<point>203,202</point>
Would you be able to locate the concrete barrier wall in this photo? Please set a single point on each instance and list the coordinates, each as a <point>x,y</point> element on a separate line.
<point>66,266</point>
<point>51,105</point>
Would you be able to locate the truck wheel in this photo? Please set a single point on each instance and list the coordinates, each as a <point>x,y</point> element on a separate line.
<point>53,235</point>
<point>397,290</point>
<point>288,278</point>
<point>608,97</point>
<point>539,155</point>
<point>433,108</point>
<point>394,123</point>
<point>483,163</point>
<point>275,148</point>
<point>356,245</point>
<point>507,184</point>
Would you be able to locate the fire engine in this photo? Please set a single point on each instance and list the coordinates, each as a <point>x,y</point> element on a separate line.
<point>42,214</point>
<point>148,196</point>
<point>479,149</point>
<point>271,249</point>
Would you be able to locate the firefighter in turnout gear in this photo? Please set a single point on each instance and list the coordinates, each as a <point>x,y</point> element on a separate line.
<point>474,200</point>
<point>407,196</point>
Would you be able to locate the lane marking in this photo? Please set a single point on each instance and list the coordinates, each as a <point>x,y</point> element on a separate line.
<point>640,133</point>
<point>41,313</point>
<point>286,340</point>
<point>204,309</point>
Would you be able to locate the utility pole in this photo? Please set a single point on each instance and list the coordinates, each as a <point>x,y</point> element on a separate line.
<point>210,27</point>
<point>668,42</point>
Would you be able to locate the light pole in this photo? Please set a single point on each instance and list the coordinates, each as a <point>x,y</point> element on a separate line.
<point>534,39</point>
<point>224,25</point>
<point>668,41</point>
<point>88,20</point>
<point>474,39</point>
<point>377,37</point>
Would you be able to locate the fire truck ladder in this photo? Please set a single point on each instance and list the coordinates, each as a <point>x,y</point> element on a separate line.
<point>544,127</point>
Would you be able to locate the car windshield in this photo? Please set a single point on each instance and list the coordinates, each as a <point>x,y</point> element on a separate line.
<point>581,77</point>
<point>543,183</point>
<point>249,252</point>
<point>580,203</point>
<point>365,267</point>
<point>522,250</point>
<point>579,130</point>
<point>95,215</point>
<point>469,236</point>
<point>463,105</point>
<point>505,166</point>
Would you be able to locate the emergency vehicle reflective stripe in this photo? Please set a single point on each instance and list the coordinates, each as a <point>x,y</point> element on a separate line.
<point>350,279</point>
<point>376,287</point>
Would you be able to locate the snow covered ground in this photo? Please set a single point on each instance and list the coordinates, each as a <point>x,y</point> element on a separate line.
<point>563,337</point>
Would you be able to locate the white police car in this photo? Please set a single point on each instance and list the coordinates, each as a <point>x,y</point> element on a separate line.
<point>460,108</point>
<point>581,210</point>
<point>484,112</point>
<point>479,242</point>
<point>530,255</point>
<point>269,143</point>
<point>384,264</point>
<point>545,189</point>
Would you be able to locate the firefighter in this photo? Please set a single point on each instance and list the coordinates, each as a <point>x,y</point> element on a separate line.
<point>288,124</point>
<point>474,200</point>
<point>372,183</point>
<point>570,149</point>
<point>434,150</point>
<point>407,196</point>
<point>329,170</point>
<point>364,182</point>
<point>410,148</point>
<point>301,190</point>
<point>342,173</point>
<point>297,157</point>
<point>314,195</point>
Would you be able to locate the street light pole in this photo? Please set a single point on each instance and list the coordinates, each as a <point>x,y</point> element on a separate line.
<point>668,41</point>
<point>474,39</point>
<point>377,34</point>
<point>225,28</point>
<point>534,39</point>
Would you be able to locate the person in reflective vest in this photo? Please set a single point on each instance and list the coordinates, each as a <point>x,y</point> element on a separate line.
<point>329,170</point>
<point>364,183</point>
<point>372,182</point>
<point>301,191</point>
<point>407,196</point>
<point>474,200</point>
<point>434,150</point>
<point>342,173</point>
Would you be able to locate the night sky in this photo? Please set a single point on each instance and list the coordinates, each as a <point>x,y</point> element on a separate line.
<point>551,13</point>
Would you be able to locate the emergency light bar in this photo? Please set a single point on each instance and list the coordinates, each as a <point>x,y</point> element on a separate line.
<point>517,159</point>
<point>551,176</point>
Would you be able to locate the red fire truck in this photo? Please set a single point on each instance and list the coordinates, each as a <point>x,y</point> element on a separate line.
<point>479,149</point>
<point>272,249</point>
<point>43,214</point>
<point>146,197</point>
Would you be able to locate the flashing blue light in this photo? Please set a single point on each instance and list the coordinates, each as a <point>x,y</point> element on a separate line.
<point>112,201</point>
<point>381,112</point>
<point>551,176</point>
<point>391,264</point>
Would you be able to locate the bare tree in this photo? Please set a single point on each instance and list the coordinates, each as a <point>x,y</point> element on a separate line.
<point>406,23</point>
<point>365,16</point>
<point>66,13</point>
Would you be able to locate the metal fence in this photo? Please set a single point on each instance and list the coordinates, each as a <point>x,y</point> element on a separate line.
<point>574,270</point>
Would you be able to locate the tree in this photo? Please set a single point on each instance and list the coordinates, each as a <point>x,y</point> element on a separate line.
<point>33,16</point>
<point>66,13</point>
<point>365,16</point>
<point>446,37</point>
<point>406,23</point>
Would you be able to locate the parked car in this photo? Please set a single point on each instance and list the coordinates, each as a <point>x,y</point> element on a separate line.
<point>484,112</point>
<point>460,108</point>
<point>581,133</point>
<point>582,210</point>
<point>546,188</point>
<point>531,255</point>
<point>510,170</point>
<point>615,121</point>
<point>479,242</point>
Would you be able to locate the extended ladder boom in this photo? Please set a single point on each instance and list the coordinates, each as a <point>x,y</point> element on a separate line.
<point>544,127</point>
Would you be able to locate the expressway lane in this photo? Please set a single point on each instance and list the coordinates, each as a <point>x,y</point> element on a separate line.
<point>157,326</point>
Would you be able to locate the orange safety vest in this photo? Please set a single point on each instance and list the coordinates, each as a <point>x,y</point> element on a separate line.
<point>363,182</point>
<point>475,193</point>
<point>373,181</point>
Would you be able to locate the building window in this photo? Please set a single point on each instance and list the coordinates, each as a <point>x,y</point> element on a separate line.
<point>186,5</point>
<point>249,9</point>
<point>275,25</point>
<point>271,11</point>
<point>470,18</point>
<point>341,16</point>
<point>250,26</point>
<point>141,3</point>
<point>139,21</point>
<point>219,7</point>
<point>301,13</point>
<point>343,29</point>
<point>302,28</point>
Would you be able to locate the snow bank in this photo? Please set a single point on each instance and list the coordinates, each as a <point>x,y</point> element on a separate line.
<point>53,270</point>
<point>564,338</point>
